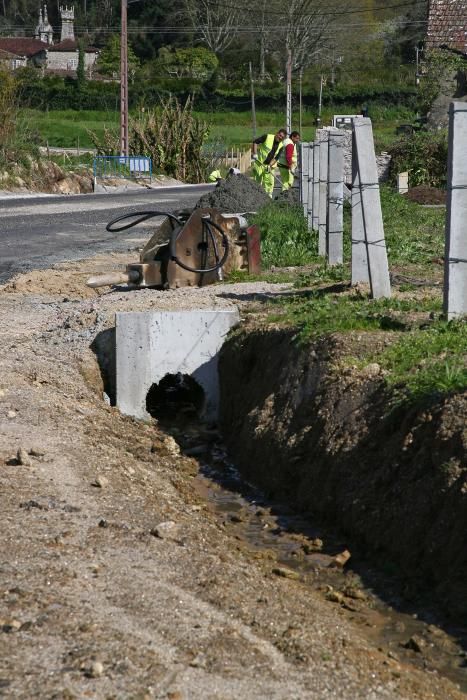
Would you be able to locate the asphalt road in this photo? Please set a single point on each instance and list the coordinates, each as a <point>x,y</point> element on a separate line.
<point>36,232</point>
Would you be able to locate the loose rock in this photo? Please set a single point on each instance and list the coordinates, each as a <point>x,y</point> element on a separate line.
<point>168,530</point>
<point>23,458</point>
<point>100,482</point>
<point>286,573</point>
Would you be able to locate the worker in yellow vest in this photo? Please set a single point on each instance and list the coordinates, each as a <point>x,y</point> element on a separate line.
<point>264,153</point>
<point>288,160</point>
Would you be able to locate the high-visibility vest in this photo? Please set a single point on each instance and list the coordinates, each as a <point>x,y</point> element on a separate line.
<point>283,158</point>
<point>265,148</point>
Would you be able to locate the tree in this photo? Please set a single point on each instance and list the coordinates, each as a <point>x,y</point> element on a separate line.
<point>215,22</point>
<point>81,72</point>
<point>302,27</point>
<point>198,62</point>
<point>109,58</point>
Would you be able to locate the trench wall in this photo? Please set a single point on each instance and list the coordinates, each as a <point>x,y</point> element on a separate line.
<point>328,441</point>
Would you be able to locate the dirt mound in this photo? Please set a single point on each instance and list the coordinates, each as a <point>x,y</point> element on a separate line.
<point>312,435</point>
<point>426,195</point>
<point>235,194</point>
<point>288,197</point>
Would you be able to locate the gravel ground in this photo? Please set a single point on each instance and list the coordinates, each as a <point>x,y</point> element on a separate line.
<point>97,598</point>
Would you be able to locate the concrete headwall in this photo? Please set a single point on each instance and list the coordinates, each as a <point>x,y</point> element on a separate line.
<point>150,345</point>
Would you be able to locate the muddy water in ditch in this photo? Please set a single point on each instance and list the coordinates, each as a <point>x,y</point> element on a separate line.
<point>300,548</point>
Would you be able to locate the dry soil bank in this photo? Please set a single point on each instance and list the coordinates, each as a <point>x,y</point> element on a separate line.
<point>99,599</point>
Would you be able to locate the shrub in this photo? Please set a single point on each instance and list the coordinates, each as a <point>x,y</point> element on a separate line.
<point>424,155</point>
<point>170,134</point>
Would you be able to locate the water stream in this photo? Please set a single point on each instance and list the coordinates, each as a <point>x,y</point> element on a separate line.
<point>301,548</point>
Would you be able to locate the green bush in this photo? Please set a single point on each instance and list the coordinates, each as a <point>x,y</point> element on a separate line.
<point>424,155</point>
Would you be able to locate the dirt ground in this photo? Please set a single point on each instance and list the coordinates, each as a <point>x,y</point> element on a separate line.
<point>116,581</point>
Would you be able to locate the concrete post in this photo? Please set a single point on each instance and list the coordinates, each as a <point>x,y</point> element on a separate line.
<point>335,226</point>
<point>360,269</point>
<point>305,173</point>
<point>323,190</point>
<point>371,204</point>
<point>310,186</point>
<point>315,207</point>
<point>403,183</point>
<point>300,172</point>
<point>455,265</point>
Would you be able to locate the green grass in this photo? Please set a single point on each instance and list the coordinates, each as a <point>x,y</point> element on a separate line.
<point>428,361</point>
<point>65,128</point>
<point>318,312</point>
<point>426,357</point>
<point>285,239</point>
<point>414,234</point>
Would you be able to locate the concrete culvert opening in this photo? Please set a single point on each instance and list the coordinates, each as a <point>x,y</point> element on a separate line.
<point>175,395</point>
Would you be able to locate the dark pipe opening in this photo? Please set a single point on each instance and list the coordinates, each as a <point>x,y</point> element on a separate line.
<point>175,395</point>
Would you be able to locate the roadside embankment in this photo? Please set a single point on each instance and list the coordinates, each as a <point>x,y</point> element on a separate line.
<point>329,438</point>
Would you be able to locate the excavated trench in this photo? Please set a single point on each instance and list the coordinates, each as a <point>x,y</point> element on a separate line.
<point>313,477</point>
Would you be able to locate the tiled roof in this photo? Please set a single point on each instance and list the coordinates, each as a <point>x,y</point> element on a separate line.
<point>447,25</point>
<point>70,45</point>
<point>22,46</point>
<point>8,55</point>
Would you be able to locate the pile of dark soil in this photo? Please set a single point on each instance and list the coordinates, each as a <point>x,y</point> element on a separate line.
<point>234,195</point>
<point>289,196</point>
<point>426,195</point>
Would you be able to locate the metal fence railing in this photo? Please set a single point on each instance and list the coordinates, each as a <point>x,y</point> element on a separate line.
<point>126,167</point>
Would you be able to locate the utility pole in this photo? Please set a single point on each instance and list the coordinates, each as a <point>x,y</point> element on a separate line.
<point>124,146</point>
<point>320,105</point>
<point>253,106</point>
<point>417,61</point>
<point>300,80</point>
<point>288,113</point>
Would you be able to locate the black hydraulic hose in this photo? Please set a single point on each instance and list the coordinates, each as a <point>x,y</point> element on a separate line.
<point>142,216</point>
<point>145,215</point>
<point>219,263</point>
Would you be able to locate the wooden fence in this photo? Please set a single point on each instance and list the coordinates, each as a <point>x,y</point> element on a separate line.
<point>237,157</point>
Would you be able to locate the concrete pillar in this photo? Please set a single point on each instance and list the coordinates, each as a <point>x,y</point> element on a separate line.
<point>305,148</point>
<point>315,207</point>
<point>335,226</point>
<point>151,344</point>
<point>359,257</point>
<point>403,183</point>
<point>310,186</point>
<point>323,190</point>
<point>371,205</point>
<point>455,265</point>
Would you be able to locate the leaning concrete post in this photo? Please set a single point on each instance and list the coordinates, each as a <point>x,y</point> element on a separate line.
<point>371,205</point>
<point>335,227</point>
<point>360,269</point>
<point>310,186</point>
<point>323,190</point>
<point>455,259</point>
<point>305,172</point>
<point>315,195</point>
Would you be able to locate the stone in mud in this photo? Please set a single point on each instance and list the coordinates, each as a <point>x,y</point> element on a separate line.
<point>340,560</point>
<point>315,545</point>
<point>236,194</point>
<point>286,573</point>
<point>335,597</point>
<point>416,643</point>
<point>171,445</point>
